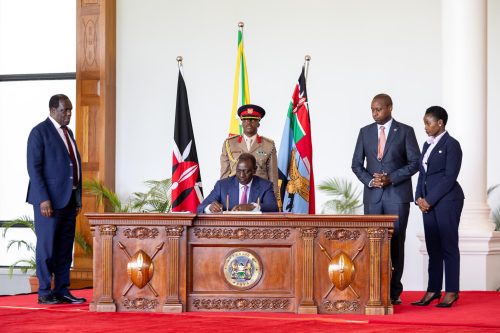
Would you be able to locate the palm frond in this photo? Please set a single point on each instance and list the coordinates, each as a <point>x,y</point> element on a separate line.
<point>157,199</point>
<point>495,215</point>
<point>492,188</point>
<point>27,265</point>
<point>20,244</point>
<point>346,198</point>
<point>80,241</point>
<point>104,195</point>
<point>23,221</point>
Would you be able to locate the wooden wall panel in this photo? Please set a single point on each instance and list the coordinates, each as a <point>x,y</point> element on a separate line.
<point>95,111</point>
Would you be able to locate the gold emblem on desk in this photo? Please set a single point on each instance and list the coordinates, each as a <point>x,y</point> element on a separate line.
<point>242,269</point>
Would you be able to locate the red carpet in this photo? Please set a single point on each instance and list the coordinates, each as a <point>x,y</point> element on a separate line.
<point>474,312</point>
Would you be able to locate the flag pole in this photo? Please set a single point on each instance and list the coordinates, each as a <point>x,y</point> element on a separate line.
<point>240,26</point>
<point>179,63</point>
<point>306,65</point>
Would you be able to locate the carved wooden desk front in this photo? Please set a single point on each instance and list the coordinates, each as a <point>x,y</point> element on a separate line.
<point>270,262</point>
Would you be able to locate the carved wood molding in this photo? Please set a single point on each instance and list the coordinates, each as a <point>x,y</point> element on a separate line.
<point>141,233</point>
<point>107,233</point>
<point>308,232</point>
<point>297,220</point>
<point>107,230</point>
<point>90,25</point>
<point>375,236</point>
<point>140,303</point>
<point>173,237</point>
<point>342,234</point>
<point>241,233</point>
<point>241,303</point>
<point>174,231</point>
<point>308,235</point>
<point>341,306</point>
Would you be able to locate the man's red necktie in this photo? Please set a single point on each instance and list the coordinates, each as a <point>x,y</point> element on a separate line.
<point>71,156</point>
<point>381,143</point>
<point>243,199</point>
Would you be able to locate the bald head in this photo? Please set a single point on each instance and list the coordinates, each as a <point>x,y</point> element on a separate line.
<point>384,99</point>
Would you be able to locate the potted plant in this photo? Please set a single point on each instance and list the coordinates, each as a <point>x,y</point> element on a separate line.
<point>156,200</point>
<point>345,196</point>
<point>28,264</point>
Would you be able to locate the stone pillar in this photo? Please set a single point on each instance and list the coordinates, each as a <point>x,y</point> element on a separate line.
<point>464,40</point>
<point>464,96</point>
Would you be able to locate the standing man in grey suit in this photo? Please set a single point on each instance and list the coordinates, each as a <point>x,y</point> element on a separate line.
<point>391,152</point>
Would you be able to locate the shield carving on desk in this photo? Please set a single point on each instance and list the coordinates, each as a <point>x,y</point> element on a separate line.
<point>140,269</point>
<point>341,270</point>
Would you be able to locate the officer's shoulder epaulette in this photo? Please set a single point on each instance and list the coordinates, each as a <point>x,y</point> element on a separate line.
<point>231,138</point>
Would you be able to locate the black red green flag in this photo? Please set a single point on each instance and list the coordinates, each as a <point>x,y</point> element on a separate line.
<point>187,190</point>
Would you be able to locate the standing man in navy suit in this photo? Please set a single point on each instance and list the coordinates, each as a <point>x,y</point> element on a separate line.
<point>55,191</point>
<point>391,152</point>
<point>242,192</point>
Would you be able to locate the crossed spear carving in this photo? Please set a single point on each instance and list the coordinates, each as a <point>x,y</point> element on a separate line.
<point>341,269</point>
<point>124,249</point>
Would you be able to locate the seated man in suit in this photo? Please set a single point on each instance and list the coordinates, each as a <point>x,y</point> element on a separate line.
<point>242,192</point>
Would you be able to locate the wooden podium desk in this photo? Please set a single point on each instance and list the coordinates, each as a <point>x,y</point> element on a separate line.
<point>242,262</point>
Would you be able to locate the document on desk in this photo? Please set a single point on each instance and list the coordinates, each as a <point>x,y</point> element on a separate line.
<point>240,212</point>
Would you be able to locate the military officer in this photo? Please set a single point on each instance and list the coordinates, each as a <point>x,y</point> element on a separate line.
<point>261,147</point>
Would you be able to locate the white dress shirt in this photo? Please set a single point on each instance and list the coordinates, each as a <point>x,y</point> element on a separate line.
<point>433,142</point>
<point>387,127</point>
<point>240,193</point>
<point>63,138</point>
<point>249,140</point>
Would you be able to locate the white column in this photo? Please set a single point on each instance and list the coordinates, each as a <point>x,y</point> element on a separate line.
<point>464,40</point>
<point>464,97</point>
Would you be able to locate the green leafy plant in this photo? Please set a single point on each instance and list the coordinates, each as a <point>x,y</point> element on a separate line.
<point>495,212</point>
<point>26,265</point>
<point>156,199</point>
<point>345,196</point>
<point>106,196</point>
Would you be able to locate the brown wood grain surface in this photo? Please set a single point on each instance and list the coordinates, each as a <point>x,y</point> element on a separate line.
<point>307,263</point>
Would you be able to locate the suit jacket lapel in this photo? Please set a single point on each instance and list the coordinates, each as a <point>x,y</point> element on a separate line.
<point>234,193</point>
<point>254,146</point>
<point>373,133</point>
<point>421,159</point>
<point>438,146</point>
<point>55,133</point>
<point>254,190</point>
<point>243,144</point>
<point>393,131</point>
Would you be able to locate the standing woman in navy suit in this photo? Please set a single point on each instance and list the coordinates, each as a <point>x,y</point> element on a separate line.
<point>441,199</point>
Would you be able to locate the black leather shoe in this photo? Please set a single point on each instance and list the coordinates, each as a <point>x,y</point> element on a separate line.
<point>448,300</point>
<point>396,301</point>
<point>48,300</point>
<point>427,299</point>
<point>70,299</point>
